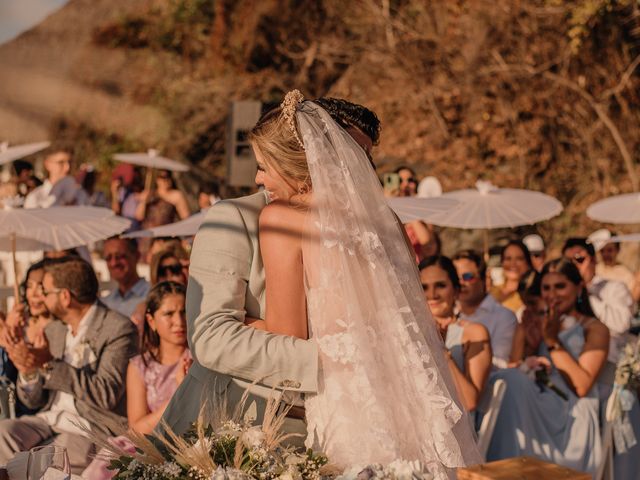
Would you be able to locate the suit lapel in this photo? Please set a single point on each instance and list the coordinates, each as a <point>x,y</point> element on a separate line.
<point>56,333</point>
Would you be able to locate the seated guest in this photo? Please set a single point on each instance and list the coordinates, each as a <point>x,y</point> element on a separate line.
<point>611,301</point>
<point>155,374</point>
<point>467,342</point>
<point>478,306</point>
<point>122,256</point>
<point>26,322</point>
<point>171,264</point>
<point>528,336</point>
<point>516,261</point>
<point>609,268</point>
<point>556,418</point>
<point>78,377</point>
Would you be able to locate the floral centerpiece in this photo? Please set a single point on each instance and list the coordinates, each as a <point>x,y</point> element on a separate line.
<point>222,448</point>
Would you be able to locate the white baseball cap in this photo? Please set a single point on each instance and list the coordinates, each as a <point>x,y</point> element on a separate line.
<point>599,238</point>
<point>534,243</point>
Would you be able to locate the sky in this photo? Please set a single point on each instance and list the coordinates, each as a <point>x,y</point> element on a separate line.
<point>16,16</point>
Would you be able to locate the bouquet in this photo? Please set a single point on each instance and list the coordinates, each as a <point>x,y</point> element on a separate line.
<point>221,448</point>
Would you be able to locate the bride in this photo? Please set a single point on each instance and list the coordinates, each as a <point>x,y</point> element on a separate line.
<point>338,271</point>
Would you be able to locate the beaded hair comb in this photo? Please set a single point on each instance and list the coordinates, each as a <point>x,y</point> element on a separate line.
<point>289,106</point>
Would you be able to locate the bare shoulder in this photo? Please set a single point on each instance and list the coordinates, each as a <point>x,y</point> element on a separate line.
<point>281,215</point>
<point>596,329</point>
<point>474,332</point>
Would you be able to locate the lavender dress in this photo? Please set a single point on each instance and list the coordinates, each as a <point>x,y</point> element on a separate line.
<point>160,383</point>
<point>159,380</point>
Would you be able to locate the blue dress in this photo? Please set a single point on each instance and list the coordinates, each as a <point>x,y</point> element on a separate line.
<point>537,422</point>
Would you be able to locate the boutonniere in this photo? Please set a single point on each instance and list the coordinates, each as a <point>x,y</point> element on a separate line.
<point>83,354</point>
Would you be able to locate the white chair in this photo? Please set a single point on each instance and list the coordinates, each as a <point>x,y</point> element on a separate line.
<point>490,405</point>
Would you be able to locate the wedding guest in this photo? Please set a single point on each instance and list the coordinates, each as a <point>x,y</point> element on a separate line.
<point>154,375</point>
<point>408,181</point>
<point>59,188</point>
<point>555,418</point>
<point>78,376</point>
<point>476,305</point>
<point>467,342</point>
<point>528,335</point>
<point>122,256</point>
<point>611,301</point>
<point>170,264</point>
<point>87,178</point>
<point>25,324</point>
<point>516,261</point>
<point>610,269</point>
<point>164,205</point>
<point>536,247</point>
<point>127,185</point>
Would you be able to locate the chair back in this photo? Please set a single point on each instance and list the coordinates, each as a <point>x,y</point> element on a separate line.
<point>491,410</point>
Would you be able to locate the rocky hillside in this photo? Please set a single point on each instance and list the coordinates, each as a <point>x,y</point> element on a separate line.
<point>539,94</point>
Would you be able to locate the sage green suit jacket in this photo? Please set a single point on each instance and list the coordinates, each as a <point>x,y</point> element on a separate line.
<point>226,283</point>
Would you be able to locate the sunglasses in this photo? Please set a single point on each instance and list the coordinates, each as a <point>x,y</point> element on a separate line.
<point>468,277</point>
<point>174,269</point>
<point>579,259</point>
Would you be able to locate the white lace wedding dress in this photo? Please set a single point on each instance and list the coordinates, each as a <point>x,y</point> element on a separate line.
<point>385,392</point>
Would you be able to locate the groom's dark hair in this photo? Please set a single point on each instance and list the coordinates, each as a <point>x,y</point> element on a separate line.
<point>348,114</point>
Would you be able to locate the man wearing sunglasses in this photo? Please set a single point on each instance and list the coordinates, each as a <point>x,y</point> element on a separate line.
<point>611,301</point>
<point>476,305</point>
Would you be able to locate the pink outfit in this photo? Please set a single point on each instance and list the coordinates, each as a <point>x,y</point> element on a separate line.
<point>160,383</point>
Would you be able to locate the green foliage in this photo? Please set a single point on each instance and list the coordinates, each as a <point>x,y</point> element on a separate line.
<point>182,28</point>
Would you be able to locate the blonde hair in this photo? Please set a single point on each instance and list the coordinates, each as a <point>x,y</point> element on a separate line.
<point>274,137</point>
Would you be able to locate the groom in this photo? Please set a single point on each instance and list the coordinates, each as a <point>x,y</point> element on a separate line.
<point>226,284</point>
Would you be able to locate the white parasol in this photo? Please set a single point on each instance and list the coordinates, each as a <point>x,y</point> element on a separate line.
<point>9,154</point>
<point>409,209</point>
<point>488,207</point>
<point>617,209</point>
<point>56,228</point>
<point>629,237</point>
<point>184,228</point>
<point>151,160</point>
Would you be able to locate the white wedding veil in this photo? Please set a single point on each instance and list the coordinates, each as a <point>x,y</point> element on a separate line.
<point>381,357</point>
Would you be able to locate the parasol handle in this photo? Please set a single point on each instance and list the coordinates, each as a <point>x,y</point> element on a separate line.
<point>148,179</point>
<point>486,246</point>
<point>16,291</point>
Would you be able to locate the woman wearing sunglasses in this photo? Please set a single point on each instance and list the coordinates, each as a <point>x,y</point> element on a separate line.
<point>467,343</point>
<point>170,265</point>
<point>550,409</point>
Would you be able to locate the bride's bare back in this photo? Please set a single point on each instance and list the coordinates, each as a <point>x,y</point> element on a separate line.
<point>281,235</point>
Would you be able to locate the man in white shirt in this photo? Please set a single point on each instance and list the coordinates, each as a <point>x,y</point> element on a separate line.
<point>77,374</point>
<point>476,305</point>
<point>59,188</point>
<point>610,300</point>
<point>122,256</point>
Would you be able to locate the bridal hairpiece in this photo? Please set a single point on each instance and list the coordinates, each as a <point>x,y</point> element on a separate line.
<point>289,106</point>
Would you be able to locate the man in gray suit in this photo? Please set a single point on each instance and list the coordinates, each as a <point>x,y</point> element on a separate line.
<point>77,374</point>
<point>226,285</point>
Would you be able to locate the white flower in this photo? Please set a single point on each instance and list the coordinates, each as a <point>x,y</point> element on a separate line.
<point>253,437</point>
<point>171,469</point>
